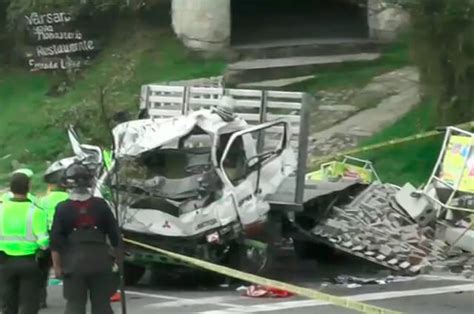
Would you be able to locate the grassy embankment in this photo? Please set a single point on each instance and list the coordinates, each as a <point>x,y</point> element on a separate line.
<point>32,124</point>
<point>357,74</point>
<point>412,161</point>
<point>398,164</point>
<point>409,162</point>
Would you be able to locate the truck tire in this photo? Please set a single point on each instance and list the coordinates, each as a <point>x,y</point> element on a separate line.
<point>133,273</point>
<point>260,265</point>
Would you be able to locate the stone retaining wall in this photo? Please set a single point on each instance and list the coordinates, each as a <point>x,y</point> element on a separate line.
<point>202,24</point>
<point>206,24</point>
<point>386,21</point>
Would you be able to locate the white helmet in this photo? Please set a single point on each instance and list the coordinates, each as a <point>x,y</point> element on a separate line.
<point>226,108</point>
<point>54,173</point>
<point>27,172</point>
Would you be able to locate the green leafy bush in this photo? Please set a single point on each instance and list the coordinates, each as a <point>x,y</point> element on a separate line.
<point>442,44</point>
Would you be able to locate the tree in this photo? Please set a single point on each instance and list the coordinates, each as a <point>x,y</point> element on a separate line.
<point>443,46</point>
<point>442,42</point>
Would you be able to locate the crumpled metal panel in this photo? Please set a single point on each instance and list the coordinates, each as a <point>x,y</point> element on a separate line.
<point>286,191</point>
<point>136,137</point>
<point>171,188</point>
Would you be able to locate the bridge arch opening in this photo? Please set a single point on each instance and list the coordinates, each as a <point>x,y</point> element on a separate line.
<point>256,21</point>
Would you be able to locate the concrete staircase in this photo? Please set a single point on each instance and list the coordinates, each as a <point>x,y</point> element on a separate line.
<point>296,58</point>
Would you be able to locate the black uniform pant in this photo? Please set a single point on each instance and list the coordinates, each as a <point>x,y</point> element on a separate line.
<point>96,287</point>
<point>43,295</point>
<point>45,264</point>
<point>20,284</point>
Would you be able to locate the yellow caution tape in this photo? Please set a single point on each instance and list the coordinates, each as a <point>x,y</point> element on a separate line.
<point>319,160</point>
<point>309,293</point>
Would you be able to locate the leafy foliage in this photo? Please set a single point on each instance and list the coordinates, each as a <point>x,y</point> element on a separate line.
<point>443,45</point>
<point>32,124</point>
<point>442,42</point>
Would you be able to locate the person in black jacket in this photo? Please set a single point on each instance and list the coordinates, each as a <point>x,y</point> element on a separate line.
<point>81,255</point>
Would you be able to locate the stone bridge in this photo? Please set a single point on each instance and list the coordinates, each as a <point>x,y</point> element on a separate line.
<point>213,25</point>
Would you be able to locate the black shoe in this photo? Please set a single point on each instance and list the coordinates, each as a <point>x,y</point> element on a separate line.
<point>43,305</point>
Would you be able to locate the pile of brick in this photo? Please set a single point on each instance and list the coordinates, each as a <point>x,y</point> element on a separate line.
<point>374,227</point>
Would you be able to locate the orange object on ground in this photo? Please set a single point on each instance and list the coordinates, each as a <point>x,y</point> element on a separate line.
<point>278,293</point>
<point>256,291</point>
<point>116,297</point>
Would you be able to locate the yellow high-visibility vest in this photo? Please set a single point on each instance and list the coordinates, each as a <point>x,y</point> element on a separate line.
<point>49,202</point>
<point>23,228</point>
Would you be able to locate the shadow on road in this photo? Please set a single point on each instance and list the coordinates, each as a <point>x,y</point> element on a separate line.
<point>286,267</point>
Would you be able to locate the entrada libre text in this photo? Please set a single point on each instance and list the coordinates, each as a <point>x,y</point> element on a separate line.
<point>57,64</point>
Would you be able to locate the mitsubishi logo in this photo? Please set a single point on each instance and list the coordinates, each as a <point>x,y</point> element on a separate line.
<point>166,225</point>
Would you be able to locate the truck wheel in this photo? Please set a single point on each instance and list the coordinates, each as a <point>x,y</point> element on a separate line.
<point>133,273</point>
<point>251,260</point>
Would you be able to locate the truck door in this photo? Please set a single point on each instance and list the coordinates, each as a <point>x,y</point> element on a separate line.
<point>250,161</point>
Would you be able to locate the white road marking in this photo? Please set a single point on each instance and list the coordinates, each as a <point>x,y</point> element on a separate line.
<point>151,295</point>
<point>360,297</point>
<point>446,277</point>
<point>201,301</point>
<point>177,301</point>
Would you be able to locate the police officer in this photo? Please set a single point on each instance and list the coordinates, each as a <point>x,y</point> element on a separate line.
<point>56,194</point>
<point>23,233</point>
<point>81,255</point>
<point>27,172</point>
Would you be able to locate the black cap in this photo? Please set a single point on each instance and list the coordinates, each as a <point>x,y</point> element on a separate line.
<point>78,176</point>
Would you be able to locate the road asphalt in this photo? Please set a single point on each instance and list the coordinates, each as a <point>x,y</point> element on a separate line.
<point>169,294</point>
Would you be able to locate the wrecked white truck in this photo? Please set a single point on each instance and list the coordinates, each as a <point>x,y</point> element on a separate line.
<point>217,174</point>
<point>220,174</point>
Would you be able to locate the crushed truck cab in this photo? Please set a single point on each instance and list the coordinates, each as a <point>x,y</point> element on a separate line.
<point>213,173</point>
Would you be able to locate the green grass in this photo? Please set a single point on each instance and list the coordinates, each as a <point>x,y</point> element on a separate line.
<point>32,125</point>
<point>357,74</point>
<point>398,164</point>
<point>408,162</point>
<point>21,95</point>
